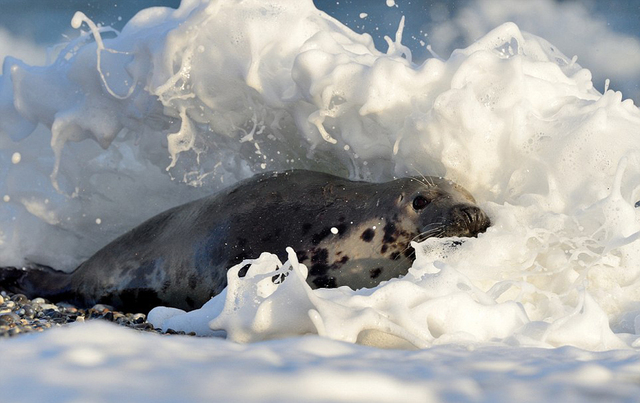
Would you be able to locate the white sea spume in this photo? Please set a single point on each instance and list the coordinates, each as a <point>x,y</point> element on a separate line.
<point>593,41</point>
<point>214,91</point>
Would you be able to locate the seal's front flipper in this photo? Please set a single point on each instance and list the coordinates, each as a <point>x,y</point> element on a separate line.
<point>35,281</point>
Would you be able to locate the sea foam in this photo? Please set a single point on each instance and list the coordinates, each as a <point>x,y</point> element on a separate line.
<point>183,102</point>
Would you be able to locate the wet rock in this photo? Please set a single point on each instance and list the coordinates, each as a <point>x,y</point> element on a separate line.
<point>9,318</point>
<point>102,308</point>
<point>29,312</point>
<point>47,307</point>
<point>139,318</point>
<point>143,326</point>
<point>19,298</point>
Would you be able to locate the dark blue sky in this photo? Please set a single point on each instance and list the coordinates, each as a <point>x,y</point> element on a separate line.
<point>47,20</point>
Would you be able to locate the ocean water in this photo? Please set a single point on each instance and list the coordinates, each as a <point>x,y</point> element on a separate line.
<point>132,117</point>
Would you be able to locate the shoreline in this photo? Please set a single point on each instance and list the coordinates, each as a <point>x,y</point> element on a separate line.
<point>21,315</point>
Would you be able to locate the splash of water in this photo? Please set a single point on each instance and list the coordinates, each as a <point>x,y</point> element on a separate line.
<point>214,91</point>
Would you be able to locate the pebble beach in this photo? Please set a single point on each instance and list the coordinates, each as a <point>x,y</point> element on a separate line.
<point>21,315</point>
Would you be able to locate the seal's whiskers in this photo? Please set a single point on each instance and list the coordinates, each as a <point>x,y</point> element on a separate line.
<point>432,233</point>
<point>428,182</point>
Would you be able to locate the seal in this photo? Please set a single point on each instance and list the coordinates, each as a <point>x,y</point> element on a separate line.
<point>348,233</point>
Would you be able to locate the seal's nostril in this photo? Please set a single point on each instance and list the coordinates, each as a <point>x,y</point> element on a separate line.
<point>470,215</point>
<point>472,218</point>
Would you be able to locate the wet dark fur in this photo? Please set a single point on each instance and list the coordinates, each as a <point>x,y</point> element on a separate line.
<point>180,257</point>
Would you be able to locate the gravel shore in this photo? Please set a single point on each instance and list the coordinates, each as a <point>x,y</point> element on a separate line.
<point>20,315</point>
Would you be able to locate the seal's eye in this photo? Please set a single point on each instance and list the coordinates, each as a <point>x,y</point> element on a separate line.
<point>420,202</point>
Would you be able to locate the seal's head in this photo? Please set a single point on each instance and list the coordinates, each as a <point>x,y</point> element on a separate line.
<point>376,224</point>
<point>441,208</point>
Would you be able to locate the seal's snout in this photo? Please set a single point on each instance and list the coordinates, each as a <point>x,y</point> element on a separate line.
<point>469,220</point>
